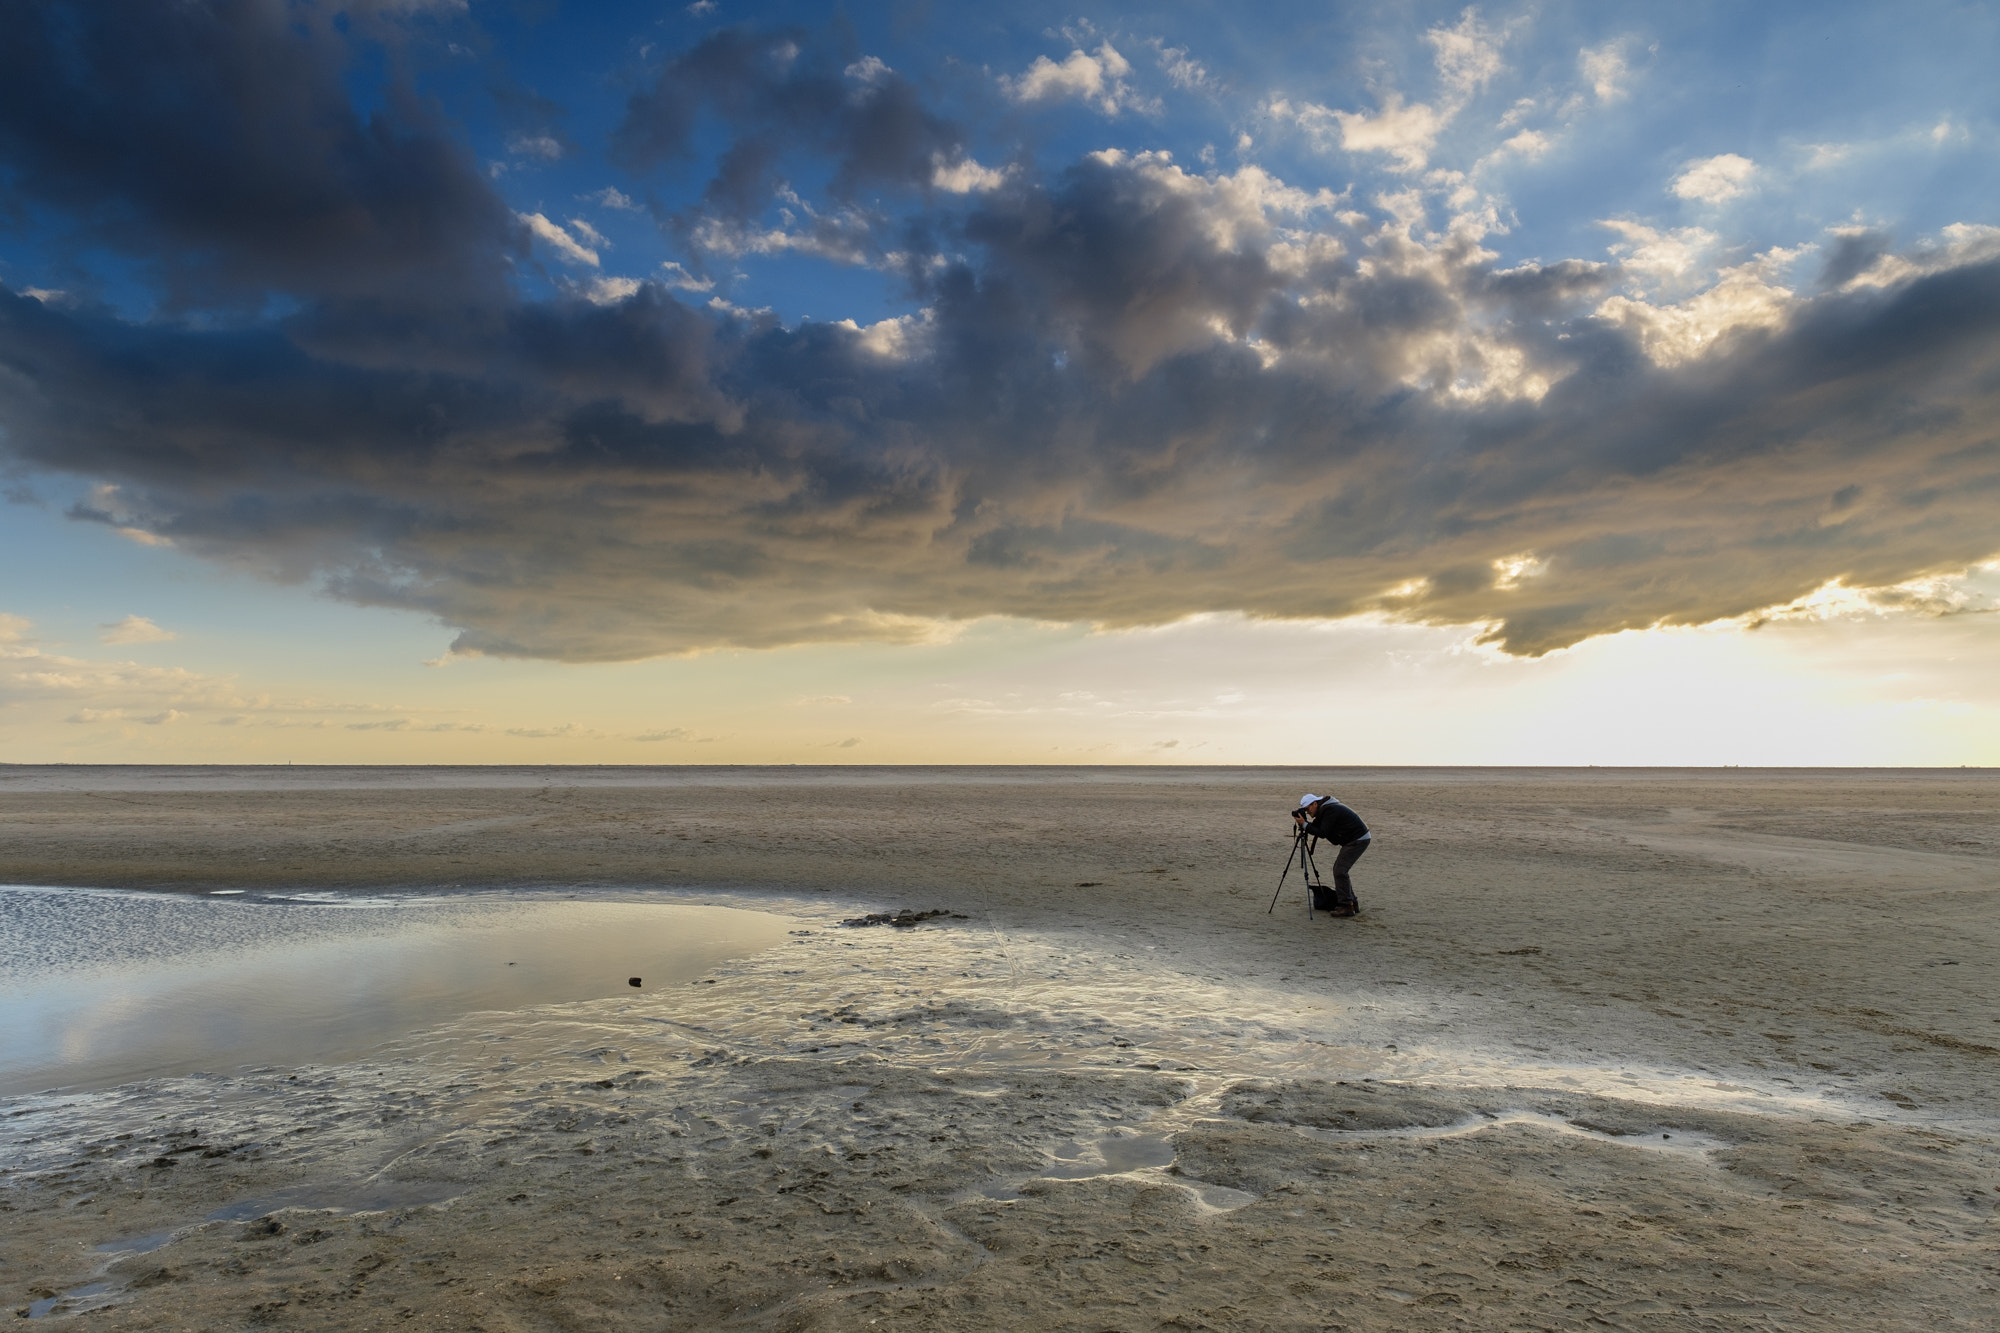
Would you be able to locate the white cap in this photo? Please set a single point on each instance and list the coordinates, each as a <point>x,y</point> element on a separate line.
<point>1308,799</point>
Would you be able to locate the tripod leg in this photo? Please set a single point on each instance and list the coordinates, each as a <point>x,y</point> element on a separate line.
<point>1297,842</point>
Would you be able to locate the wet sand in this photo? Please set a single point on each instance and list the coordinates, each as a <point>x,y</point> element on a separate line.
<point>1607,1048</point>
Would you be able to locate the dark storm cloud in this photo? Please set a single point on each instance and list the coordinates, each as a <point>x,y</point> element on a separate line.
<point>1137,394</point>
<point>1122,263</point>
<point>215,142</point>
<point>1852,254</point>
<point>804,488</point>
<point>782,96</point>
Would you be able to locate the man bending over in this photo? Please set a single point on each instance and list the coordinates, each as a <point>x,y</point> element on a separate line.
<point>1324,817</point>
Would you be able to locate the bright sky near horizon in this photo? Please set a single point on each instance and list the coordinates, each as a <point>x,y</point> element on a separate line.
<point>422,381</point>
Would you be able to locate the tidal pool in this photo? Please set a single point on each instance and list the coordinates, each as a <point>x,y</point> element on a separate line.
<point>102,987</point>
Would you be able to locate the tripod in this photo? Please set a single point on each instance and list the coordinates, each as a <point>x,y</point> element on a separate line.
<point>1302,853</point>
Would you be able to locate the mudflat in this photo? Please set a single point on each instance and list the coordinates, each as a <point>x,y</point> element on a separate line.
<point>1649,1049</point>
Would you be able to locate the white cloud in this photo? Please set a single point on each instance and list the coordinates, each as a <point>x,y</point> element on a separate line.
<point>1959,244</point>
<point>677,277</point>
<point>843,237</point>
<point>1715,180</point>
<point>1406,133</point>
<point>701,8</point>
<point>1660,255</point>
<point>612,197</point>
<point>826,699</point>
<point>1528,143</point>
<point>610,291</point>
<point>1510,570</point>
<point>557,239</point>
<point>1467,55</point>
<point>567,731</point>
<point>734,311</point>
<point>589,234</point>
<point>1182,70</point>
<point>1097,79</point>
<point>965,176</point>
<point>1605,68</point>
<point>670,734</point>
<point>896,339</point>
<point>1743,297</point>
<point>542,147</point>
<point>869,70</point>
<point>134,629</point>
<point>48,687</point>
<point>27,673</point>
<point>1079,75</point>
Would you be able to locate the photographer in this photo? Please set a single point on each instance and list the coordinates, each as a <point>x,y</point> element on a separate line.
<point>1324,817</point>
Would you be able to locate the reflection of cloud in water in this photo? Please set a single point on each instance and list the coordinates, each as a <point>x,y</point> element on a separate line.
<point>105,987</point>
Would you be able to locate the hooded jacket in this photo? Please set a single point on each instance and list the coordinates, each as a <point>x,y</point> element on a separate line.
<point>1336,823</point>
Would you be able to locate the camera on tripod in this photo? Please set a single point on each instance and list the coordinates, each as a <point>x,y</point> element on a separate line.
<point>1320,897</point>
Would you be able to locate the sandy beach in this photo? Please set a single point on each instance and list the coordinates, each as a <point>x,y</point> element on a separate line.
<point>1608,1048</point>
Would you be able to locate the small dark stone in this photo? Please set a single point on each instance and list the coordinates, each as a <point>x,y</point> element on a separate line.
<point>631,981</point>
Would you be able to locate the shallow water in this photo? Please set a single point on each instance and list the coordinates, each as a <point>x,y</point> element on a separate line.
<point>101,987</point>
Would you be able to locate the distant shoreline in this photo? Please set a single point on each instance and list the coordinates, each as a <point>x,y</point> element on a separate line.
<point>1525,769</point>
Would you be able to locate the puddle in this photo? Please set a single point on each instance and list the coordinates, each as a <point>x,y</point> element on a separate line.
<point>1218,1198</point>
<point>1122,1152</point>
<point>353,1197</point>
<point>100,988</point>
<point>93,1297</point>
<point>1112,1154</point>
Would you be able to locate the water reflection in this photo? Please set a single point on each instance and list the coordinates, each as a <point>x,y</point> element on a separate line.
<point>100,987</point>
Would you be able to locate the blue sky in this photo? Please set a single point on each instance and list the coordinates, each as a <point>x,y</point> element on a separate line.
<point>714,383</point>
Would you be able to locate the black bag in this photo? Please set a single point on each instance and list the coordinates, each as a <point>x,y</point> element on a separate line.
<point>1340,902</point>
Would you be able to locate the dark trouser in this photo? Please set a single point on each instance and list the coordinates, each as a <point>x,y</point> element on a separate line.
<point>1345,862</point>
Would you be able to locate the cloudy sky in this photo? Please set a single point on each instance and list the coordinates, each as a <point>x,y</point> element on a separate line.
<point>410,381</point>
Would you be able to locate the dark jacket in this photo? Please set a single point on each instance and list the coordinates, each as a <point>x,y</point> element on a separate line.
<point>1336,823</point>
